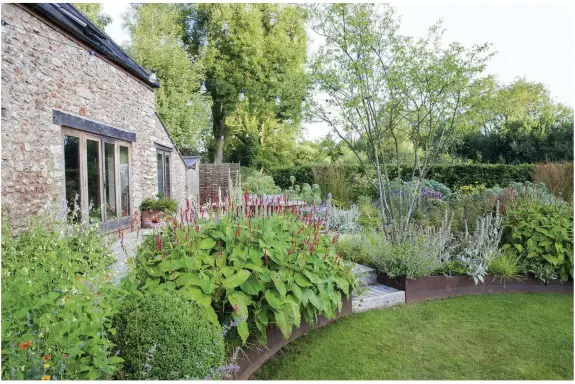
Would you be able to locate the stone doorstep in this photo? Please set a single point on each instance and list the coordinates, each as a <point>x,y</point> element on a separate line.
<point>366,275</point>
<point>377,296</point>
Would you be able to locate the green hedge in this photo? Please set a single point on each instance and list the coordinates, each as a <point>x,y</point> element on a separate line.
<point>453,176</point>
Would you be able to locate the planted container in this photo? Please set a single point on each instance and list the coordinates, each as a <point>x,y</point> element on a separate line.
<point>154,211</point>
<point>436,287</point>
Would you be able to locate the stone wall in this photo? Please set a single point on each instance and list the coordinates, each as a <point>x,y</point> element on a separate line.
<point>39,75</point>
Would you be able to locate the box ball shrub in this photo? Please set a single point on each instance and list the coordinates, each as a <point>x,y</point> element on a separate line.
<point>164,336</point>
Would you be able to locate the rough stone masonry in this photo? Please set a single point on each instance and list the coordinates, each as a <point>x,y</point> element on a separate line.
<point>39,75</point>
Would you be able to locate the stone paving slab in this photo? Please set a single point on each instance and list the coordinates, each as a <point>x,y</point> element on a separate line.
<point>131,242</point>
<point>377,296</point>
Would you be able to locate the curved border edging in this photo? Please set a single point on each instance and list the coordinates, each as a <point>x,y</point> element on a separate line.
<point>255,357</point>
<point>437,287</point>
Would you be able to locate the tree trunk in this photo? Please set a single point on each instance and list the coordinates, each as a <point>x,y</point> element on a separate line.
<point>219,129</point>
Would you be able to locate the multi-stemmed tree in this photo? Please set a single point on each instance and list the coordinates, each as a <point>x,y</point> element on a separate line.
<point>384,88</point>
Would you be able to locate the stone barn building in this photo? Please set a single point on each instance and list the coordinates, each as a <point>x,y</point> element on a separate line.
<point>79,125</point>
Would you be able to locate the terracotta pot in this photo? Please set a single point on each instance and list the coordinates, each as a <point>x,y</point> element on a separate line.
<point>152,219</point>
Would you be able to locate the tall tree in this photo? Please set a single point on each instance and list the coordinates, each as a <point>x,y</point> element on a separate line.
<point>156,43</point>
<point>256,49</point>
<point>518,122</point>
<point>382,87</point>
<point>93,11</point>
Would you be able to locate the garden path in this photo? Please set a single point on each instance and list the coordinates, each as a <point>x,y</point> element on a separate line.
<point>131,241</point>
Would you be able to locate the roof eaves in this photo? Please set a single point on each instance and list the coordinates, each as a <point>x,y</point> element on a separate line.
<point>74,22</point>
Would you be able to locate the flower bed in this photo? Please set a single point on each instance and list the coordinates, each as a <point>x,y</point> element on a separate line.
<point>437,287</point>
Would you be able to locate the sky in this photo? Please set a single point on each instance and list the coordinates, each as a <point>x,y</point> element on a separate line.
<point>532,40</point>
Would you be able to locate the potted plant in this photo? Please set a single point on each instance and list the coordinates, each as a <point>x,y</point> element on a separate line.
<point>154,210</point>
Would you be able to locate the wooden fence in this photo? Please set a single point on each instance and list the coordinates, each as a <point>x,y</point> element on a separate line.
<point>215,180</point>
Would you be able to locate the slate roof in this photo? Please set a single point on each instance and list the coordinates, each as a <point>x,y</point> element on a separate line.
<point>191,160</point>
<point>67,17</point>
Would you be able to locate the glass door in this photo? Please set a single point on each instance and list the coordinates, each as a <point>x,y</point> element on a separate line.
<point>93,178</point>
<point>124,192</point>
<point>97,179</point>
<point>109,201</point>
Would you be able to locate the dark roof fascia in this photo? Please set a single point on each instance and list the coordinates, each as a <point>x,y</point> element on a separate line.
<point>80,27</point>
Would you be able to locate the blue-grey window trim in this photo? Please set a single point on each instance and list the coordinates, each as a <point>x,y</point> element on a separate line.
<point>76,122</point>
<point>163,147</point>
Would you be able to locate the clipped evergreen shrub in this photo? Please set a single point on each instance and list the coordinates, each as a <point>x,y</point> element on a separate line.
<point>163,336</point>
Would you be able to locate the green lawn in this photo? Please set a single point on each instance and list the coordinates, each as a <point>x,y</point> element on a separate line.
<point>489,337</point>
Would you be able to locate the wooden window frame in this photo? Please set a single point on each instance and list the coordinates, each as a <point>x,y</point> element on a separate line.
<point>119,221</point>
<point>164,153</point>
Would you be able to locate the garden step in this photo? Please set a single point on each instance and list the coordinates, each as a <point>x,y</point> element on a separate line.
<point>365,275</point>
<point>377,296</point>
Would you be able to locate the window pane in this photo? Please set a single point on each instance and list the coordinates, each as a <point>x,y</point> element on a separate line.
<point>109,181</point>
<point>124,181</point>
<point>72,175</point>
<point>160,174</point>
<point>93,178</point>
<point>167,179</point>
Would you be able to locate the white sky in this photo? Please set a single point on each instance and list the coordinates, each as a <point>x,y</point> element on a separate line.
<point>534,40</point>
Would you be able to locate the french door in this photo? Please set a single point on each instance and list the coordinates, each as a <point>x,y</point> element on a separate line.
<point>97,178</point>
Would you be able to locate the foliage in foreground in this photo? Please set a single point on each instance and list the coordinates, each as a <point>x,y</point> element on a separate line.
<point>163,336</point>
<point>259,271</point>
<point>542,234</point>
<point>57,302</point>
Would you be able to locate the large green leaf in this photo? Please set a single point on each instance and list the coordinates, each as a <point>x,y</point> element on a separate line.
<point>254,267</point>
<point>312,276</point>
<point>342,284</point>
<point>302,281</point>
<point>282,323</point>
<point>297,292</point>
<point>207,243</point>
<point>292,308</point>
<point>211,315</point>
<point>252,286</point>
<point>273,298</point>
<point>197,295</point>
<point>313,299</point>
<point>155,271</point>
<point>256,255</point>
<point>243,330</point>
<point>239,301</point>
<point>237,279</point>
<point>207,285</point>
<point>275,256</point>
<point>279,284</point>
<point>261,318</point>
<point>188,279</point>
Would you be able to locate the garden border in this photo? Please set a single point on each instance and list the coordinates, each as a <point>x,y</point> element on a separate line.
<point>437,287</point>
<point>252,359</point>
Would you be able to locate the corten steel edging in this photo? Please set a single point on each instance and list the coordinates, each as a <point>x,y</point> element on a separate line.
<point>437,287</point>
<point>253,358</point>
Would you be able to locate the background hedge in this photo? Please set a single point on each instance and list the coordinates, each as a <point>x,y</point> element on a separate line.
<point>453,176</point>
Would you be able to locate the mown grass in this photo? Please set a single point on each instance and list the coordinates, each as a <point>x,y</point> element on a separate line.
<point>488,337</point>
